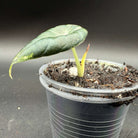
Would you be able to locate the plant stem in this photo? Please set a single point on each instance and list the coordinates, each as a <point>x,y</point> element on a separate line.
<point>77,62</point>
<point>82,64</point>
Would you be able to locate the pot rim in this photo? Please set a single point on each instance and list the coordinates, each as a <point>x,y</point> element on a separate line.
<point>84,91</point>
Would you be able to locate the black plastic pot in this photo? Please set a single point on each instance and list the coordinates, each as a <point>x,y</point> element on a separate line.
<point>74,115</point>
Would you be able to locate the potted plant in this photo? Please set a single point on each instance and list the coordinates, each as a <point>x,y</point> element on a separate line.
<point>86,98</point>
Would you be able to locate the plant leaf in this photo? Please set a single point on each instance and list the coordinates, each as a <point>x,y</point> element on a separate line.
<point>52,41</point>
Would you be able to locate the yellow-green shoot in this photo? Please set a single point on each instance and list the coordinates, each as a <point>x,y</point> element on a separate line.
<point>80,64</point>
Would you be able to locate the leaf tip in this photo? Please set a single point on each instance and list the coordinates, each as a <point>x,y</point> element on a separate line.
<point>88,47</point>
<point>10,71</point>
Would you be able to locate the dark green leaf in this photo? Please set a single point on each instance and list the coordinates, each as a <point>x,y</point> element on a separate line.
<point>52,41</point>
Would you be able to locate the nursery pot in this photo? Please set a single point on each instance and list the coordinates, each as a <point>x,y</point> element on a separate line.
<point>83,112</point>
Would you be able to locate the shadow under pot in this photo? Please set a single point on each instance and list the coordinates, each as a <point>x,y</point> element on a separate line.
<point>95,115</point>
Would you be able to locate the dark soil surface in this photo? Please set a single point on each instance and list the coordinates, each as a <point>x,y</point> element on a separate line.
<point>99,76</point>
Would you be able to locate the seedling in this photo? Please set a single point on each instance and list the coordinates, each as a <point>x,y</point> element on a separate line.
<point>53,41</point>
<point>80,65</point>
